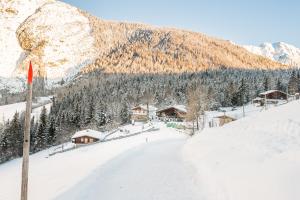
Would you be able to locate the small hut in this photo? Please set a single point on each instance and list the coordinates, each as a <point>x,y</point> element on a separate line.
<point>224,119</point>
<point>87,136</point>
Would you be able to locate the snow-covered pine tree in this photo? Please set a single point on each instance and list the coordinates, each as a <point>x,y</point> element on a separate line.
<point>51,131</point>
<point>41,135</point>
<point>16,135</point>
<point>124,113</point>
<point>33,129</point>
<point>293,84</point>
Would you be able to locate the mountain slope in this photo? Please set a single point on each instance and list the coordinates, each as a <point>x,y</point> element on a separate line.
<point>280,52</point>
<point>62,40</point>
<point>139,48</point>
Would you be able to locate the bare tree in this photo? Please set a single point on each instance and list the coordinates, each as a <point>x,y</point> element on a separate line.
<point>148,98</point>
<point>197,105</point>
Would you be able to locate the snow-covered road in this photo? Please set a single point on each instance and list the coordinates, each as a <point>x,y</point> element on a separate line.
<point>150,171</point>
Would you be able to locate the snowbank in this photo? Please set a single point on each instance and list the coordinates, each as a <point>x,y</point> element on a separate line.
<point>257,157</point>
<point>7,111</point>
<point>51,176</point>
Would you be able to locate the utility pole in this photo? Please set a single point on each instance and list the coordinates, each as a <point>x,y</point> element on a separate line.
<point>26,140</point>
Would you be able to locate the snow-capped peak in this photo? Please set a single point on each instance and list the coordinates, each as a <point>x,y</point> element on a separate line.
<point>279,51</point>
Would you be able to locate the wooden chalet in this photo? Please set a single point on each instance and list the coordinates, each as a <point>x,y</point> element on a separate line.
<point>271,96</point>
<point>140,113</point>
<point>172,113</point>
<point>274,94</point>
<point>86,137</point>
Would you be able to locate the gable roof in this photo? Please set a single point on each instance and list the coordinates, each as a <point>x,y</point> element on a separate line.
<point>225,116</point>
<point>180,108</point>
<point>144,107</point>
<point>271,91</point>
<point>89,133</point>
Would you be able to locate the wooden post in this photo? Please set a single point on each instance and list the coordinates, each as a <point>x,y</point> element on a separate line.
<point>26,140</point>
<point>243,105</point>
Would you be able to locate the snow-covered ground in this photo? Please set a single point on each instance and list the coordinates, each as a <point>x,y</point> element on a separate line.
<point>257,157</point>
<point>55,176</point>
<point>130,129</point>
<point>7,111</point>
<point>237,112</point>
<point>151,171</point>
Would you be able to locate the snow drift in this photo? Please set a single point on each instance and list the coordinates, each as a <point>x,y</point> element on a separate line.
<point>257,157</point>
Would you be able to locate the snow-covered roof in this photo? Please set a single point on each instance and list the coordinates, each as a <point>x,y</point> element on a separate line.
<point>258,98</point>
<point>226,116</point>
<point>144,107</point>
<point>89,133</point>
<point>181,108</point>
<point>270,91</point>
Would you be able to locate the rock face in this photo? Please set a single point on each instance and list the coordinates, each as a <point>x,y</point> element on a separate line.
<point>55,36</point>
<point>61,41</point>
<point>280,52</point>
<point>58,38</point>
<point>12,14</point>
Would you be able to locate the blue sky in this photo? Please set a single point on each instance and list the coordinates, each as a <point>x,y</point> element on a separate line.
<point>242,21</point>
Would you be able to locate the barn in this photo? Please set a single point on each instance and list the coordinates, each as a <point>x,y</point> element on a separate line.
<point>172,113</point>
<point>87,136</point>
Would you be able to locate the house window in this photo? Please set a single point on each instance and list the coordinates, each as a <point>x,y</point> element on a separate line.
<point>82,140</point>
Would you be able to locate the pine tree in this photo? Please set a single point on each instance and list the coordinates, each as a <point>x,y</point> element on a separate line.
<point>279,85</point>
<point>242,93</point>
<point>124,113</point>
<point>16,135</point>
<point>41,136</point>
<point>293,84</point>
<point>33,129</point>
<point>51,131</point>
<point>266,83</point>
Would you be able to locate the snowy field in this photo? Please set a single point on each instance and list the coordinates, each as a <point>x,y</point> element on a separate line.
<point>253,158</point>
<point>237,112</point>
<point>7,111</point>
<point>257,157</point>
<point>127,130</point>
<point>55,177</point>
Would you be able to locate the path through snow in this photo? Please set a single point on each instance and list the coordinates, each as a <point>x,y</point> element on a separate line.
<point>151,171</point>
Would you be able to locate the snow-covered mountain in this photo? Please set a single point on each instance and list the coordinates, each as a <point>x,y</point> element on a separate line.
<point>280,51</point>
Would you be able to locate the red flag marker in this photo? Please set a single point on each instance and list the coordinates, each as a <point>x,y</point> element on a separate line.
<point>30,73</point>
